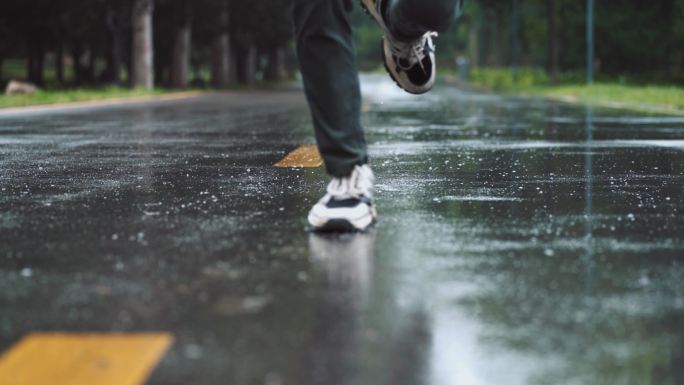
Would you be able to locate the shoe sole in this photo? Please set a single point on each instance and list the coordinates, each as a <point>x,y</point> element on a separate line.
<point>394,77</point>
<point>341,225</point>
<point>373,13</point>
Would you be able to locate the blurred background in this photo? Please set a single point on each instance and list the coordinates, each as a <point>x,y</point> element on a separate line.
<point>176,44</point>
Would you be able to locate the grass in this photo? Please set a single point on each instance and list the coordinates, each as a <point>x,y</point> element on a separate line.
<point>619,93</point>
<point>667,97</point>
<point>46,97</point>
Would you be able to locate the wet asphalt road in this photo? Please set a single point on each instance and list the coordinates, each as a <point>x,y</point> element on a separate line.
<point>520,241</point>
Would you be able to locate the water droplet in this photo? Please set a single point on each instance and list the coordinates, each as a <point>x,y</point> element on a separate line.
<point>192,352</point>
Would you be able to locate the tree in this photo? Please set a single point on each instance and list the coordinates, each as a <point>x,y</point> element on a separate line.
<point>553,41</point>
<point>677,55</point>
<point>6,33</point>
<point>118,25</point>
<point>180,60</point>
<point>82,33</point>
<point>36,33</point>
<point>273,40</point>
<point>492,32</point>
<point>260,29</point>
<point>142,66</point>
<point>220,48</point>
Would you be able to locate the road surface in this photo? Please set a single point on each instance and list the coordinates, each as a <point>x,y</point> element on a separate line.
<point>519,242</point>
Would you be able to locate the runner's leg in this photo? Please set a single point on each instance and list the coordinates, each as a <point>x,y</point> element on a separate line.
<point>327,59</point>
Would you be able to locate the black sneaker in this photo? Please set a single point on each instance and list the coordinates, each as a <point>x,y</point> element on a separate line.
<point>411,64</point>
<point>348,204</point>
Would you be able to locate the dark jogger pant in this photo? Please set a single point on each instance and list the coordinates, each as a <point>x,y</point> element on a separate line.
<point>327,59</point>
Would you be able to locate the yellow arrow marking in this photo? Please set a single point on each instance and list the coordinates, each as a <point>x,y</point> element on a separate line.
<point>304,156</point>
<point>83,359</point>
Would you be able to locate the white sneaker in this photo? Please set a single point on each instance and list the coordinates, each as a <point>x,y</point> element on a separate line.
<point>348,204</point>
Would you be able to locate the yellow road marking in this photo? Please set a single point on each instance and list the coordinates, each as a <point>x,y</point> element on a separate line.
<point>83,359</point>
<point>304,156</point>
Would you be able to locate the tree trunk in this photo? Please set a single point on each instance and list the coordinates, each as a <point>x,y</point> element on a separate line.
<point>182,45</point>
<point>553,53</point>
<point>36,63</point>
<point>234,62</point>
<point>276,64</point>
<point>484,37</point>
<point>220,61</point>
<point>180,63</point>
<point>115,52</point>
<point>220,53</point>
<point>499,39</point>
<point>142,65</point>
<point>128,63</point>
<point>115,59</point>
<point>59,63</point>
<point>29,63</point>
<point>76,53</point>
<point>473,45</point>
<point>92,65</point>
<point>249,65</point>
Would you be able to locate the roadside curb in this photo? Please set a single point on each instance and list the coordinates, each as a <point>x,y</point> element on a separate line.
<point>100,103</point>
<point>656,109</point>
<point>569,99</point>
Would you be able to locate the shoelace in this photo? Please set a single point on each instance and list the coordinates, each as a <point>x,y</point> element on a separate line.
<point>357,184</point>
<point>413,52</point>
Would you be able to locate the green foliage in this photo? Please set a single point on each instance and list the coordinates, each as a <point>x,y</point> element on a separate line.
<point>505,79</point>
<point>368,37</point>
<point>635,39</point>
<point>634,96</point>
<point>14,69</point>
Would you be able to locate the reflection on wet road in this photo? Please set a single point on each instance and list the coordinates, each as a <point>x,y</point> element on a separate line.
<point>520,241</point>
